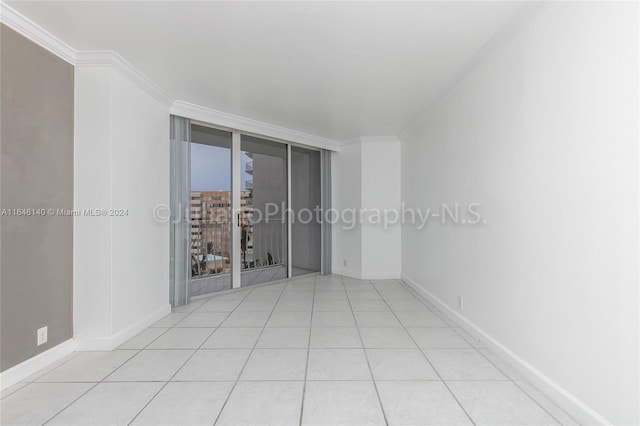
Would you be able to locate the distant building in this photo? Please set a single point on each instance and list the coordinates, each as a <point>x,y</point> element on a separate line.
<point>262,243</point>
<point>210,228</point>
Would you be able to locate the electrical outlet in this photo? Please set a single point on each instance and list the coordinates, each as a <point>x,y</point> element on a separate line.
<point>461,302</point>
<point>42,335</point>
<point>344,262</point>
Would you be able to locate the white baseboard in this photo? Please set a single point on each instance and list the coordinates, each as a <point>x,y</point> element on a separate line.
<point>565,400</point>
<point>126,334</point>
<point>26,368</point>
<point>364,276</point>
<point>347,273</point>
<point>112,342</point>
<point>382,276</point>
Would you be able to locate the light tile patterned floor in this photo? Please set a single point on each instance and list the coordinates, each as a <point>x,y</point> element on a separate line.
<point>315,350</point>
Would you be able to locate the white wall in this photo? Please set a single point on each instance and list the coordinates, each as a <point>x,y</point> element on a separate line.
<point>346,187</point>
<point>381,242</point>
<point>365,184</point>
<point>122,162</point>
<point>543,133</point>
<point>92,189</point>
<point>140,181</point>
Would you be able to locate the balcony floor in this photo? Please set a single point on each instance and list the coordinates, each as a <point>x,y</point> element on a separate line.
<point>214,283</point>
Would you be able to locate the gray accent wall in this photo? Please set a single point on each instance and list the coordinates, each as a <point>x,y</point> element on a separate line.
<point>36,278</point>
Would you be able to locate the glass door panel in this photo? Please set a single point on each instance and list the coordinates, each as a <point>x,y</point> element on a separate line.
<point>210,210</point>
<point>263,204</point>
<point>240,190</point>
<point>305,206</point>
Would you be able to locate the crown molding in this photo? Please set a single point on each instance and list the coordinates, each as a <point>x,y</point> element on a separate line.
<point>109,58</point>
<point>248,125</point>
<point>369,139</point>
<point>32,31</point>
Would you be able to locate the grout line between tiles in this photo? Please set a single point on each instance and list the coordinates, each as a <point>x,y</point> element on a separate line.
<point>248,357</point>
<point>388,300</point>
<point>306,368</point>
<point>429,361</point>
<point>188,359</point>
<point>183,364</point>
<point>46,370</point>
<point>519,387</point>
<point>137,351</point>
<point>429,305</point>
<point>366,356</point>
<point>16,389</point>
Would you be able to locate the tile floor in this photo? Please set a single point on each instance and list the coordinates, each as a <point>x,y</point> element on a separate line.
<point>315,350</point>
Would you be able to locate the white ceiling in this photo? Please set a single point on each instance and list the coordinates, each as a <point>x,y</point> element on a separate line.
<point>332,69</point>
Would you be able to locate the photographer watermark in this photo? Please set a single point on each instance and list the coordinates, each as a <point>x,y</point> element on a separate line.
<point>456,214</point>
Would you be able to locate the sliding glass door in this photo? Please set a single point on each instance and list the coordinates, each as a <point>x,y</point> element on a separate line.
<point>231,220</point>
<point>260,239</point>
<point>210,211</point>
<point>263,221</point>
<point>305,209</point>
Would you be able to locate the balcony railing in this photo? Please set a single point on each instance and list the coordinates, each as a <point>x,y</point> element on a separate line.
<point>262,245</point>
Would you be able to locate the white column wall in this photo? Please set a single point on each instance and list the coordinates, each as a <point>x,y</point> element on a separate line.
<point>365,184</point>
<point>381,239</point>
<point>92,190</point>
<point>346,193</point>
<point>121,263</point>
<point>140,181</point>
